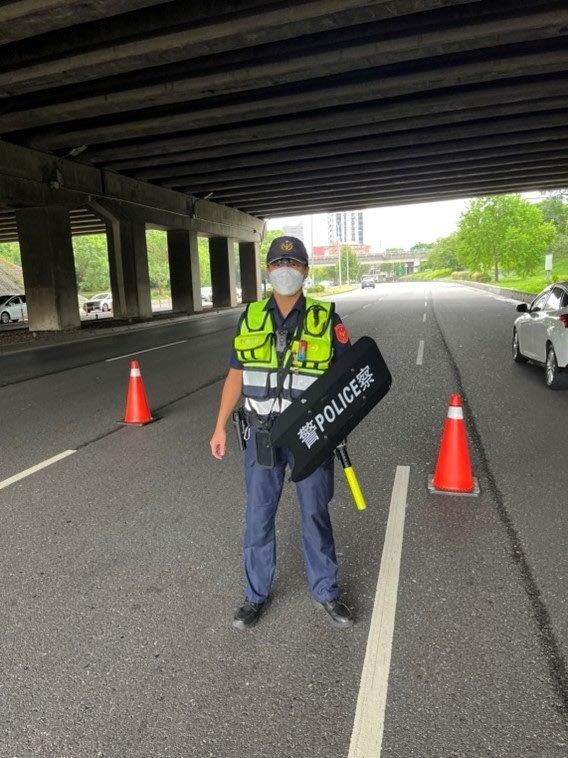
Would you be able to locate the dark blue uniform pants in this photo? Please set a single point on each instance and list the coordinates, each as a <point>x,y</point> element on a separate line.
<point>264,487</point>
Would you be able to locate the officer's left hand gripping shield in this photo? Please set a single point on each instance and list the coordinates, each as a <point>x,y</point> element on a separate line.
<point>332,407</point>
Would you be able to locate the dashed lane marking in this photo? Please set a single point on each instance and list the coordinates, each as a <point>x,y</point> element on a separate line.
<point>420,356</point>
<point>367,734</point>
<point>37,467</point>
<point>148,350</point>
<point>424,319</point>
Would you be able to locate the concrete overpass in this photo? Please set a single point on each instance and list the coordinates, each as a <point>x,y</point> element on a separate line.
<point>206,117</point>
<point>406,257</point>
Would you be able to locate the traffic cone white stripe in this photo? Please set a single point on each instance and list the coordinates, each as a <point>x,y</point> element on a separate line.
<point>135,372</point>
<point>455,412</point>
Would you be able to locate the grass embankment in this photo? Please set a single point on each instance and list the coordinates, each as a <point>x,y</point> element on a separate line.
<point>429,276</point>
<point>536,282</point>
<point>318,291</point>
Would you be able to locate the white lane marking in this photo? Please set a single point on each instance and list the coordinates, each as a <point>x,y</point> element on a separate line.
<point>420,356</point>
<point>367,734</point>
<point>37,467</point>
<point>148,350</point>
<point>424,319</point>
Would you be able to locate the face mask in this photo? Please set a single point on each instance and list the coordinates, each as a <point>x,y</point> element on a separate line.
<point>286,280</point>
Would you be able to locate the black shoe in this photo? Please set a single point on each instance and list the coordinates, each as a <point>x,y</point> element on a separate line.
<point>339,613</point>
<point>247,615</point>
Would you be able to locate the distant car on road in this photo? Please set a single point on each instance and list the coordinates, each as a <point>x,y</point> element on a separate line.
<point>101,302</point>
<point>367,281</point>
<point>206,295</point>
<point>13,308</point>
<point>540,334</point>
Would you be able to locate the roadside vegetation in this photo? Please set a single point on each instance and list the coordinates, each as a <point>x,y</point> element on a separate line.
<point>503,240</point>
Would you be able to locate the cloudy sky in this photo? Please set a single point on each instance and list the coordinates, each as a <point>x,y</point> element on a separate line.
<point>397,226</point>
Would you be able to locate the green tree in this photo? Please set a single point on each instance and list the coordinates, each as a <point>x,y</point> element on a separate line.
<point>265,244</point>
<point>158,262</point>
<point>91,262</point>
<point>443,254</point>
<point>324,274</point>
<point>421,247</point>
<point>10,251</point>
<point>350,266</point>
<point>204,261</point>
<point>555,209</point>
<point>559,247</point>
<point>503,232</point>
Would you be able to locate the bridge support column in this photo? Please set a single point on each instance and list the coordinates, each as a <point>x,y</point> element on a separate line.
<point>128,262</point>
<point>250,271</point>
<point>131,267</point>
<point>185,275</point>
<point>48,267</point>
<point>223,275</point>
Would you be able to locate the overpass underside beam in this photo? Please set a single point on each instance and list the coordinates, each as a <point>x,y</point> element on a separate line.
<point>367,102</point>
<point>54,197</point>
<point>48,268</point>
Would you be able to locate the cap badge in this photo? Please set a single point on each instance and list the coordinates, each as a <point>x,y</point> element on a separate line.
<point>287,246</point>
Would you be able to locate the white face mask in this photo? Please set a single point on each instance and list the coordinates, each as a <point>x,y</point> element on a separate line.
<point>286,280</point>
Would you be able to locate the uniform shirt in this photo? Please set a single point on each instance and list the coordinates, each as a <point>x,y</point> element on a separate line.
<point>340,338</point>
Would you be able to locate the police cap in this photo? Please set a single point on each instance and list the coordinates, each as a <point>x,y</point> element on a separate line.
<point>287,247</point>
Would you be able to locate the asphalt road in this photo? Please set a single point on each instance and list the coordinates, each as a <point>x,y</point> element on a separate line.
<point>121,562</point>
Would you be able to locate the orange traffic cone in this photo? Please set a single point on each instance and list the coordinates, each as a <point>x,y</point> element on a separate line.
<point>137,410</point>
<point>453,474</point>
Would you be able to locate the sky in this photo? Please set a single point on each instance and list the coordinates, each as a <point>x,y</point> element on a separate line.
<point>396,226</point>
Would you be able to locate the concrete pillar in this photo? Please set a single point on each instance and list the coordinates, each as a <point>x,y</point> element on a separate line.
<point>48,267</point>
<point>185,275</point>
<point>223,274</point>
<point>128,266</point>
<point>250,271</point>
<point>116,277</point>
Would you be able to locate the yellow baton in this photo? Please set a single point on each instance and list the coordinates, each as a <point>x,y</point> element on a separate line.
<point>351,476</point>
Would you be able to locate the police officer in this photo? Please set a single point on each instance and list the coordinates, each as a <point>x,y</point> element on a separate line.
<point>281,346</point>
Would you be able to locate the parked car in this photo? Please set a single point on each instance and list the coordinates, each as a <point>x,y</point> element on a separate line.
<point>206,295</point>
<point>101,302</point>
<point>540,334</point>
<point>367,281</point>
<point>13,308</point>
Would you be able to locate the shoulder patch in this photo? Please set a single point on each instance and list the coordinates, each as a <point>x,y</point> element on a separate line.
<point>341,334</point>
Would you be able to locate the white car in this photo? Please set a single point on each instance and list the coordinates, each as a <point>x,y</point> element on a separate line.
<point>102,302</point>
<point>541,334</point>
<point>13,308</point>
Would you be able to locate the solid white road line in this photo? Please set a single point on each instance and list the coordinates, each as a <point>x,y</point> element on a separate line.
<point>37,467</point>
<point>367,734</point>
<point>420,356</point>
<point>424,319</point>
<point>148,350</point>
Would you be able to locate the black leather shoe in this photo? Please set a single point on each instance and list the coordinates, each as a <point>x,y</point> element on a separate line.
<point>248,614</point>
<point>338,612</point>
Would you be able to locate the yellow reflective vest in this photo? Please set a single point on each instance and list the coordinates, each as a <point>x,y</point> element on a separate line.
<point>255,348</point>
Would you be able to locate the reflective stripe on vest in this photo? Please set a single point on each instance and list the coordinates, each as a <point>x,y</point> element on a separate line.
<point>255,348</point>
<point>263,408</point>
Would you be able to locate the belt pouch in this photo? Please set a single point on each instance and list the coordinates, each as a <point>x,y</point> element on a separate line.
<point>264,452</point>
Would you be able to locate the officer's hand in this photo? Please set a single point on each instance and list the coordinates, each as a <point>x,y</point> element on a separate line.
<point>218,443</point>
